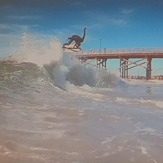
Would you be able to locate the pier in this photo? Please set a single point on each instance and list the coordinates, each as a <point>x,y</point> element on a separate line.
<point>142,58</point>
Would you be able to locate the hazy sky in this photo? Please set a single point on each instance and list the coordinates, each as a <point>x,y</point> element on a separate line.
<point>118,23</point>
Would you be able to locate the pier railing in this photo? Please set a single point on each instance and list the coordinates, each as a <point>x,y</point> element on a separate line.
<point>124,50</point>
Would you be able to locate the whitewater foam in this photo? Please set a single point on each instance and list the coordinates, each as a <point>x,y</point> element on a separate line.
<point>157,103</point>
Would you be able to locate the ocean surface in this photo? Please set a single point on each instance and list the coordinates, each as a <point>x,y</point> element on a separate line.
<point>55,110</point>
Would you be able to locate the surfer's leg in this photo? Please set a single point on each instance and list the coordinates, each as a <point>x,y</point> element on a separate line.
<point>69,41</point>
<point>77,45</point>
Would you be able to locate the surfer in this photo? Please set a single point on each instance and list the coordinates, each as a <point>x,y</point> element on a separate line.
<point>78,40</point>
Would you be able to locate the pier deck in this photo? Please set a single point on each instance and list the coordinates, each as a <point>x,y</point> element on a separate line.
<point>145,56</point>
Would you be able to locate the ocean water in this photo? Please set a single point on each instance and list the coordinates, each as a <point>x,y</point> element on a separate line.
<point>55,110</point>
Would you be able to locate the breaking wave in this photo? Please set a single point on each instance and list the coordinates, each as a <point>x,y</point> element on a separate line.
<point>44,60</point>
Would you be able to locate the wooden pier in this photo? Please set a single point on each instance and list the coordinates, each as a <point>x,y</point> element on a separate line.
<point>143,57</point>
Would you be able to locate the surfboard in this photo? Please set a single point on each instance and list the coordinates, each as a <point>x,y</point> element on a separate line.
<point>71,49</point>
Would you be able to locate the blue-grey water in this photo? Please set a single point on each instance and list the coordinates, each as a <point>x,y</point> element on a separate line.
<point>64,112</point>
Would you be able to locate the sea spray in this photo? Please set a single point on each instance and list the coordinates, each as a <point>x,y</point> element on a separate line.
<point>105,79</point>
<point>36,50</point>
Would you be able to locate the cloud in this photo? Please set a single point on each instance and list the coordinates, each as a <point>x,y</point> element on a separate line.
<point>36,3</point>
<point>16,28</point>
<point>117,21</point>
<point>127,11</point>
<point>108,20</point>
<point>25,17</point>
<point>73,2</point>
<point>4,27</point>
<point>8,42</point>
<point>117,18</point>
<point>6,38</point>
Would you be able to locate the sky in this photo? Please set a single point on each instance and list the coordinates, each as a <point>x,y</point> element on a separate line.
<point>109,23</point>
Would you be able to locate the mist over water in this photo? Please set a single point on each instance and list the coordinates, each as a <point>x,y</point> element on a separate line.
<point>54,109</point>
